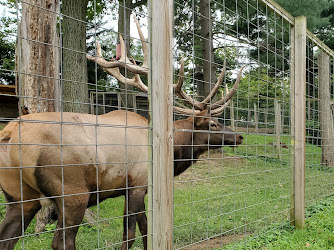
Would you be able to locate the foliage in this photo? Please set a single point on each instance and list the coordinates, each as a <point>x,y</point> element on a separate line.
<point>96,9</point>
<point>320,16</point>
<point>7,47</point>
<point>258,83</point>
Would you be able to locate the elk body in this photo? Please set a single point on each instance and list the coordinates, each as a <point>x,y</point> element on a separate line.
<point>77,160</point>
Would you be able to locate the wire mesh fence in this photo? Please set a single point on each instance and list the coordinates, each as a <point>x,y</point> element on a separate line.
<point>71,158</point>
<point>89,118</point>
<point>231,194</point>
<point>319,122</point>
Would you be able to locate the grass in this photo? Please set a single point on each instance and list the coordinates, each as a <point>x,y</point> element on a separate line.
<point>228,196</point>
<point>317,234</point>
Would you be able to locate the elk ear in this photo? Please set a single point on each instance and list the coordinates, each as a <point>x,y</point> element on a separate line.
<point>200,118</point>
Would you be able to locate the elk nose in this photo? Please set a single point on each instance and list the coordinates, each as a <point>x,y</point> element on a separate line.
<point>241,138</point>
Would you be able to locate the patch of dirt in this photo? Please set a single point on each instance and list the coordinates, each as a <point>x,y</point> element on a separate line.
<point>200,168</point>
<point>218,242</point>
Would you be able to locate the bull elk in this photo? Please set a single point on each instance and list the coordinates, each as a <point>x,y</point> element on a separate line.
<point>77,160</point>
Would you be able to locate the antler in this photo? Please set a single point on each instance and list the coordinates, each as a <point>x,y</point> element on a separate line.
<point>112,68</point>
<point>216,108</point>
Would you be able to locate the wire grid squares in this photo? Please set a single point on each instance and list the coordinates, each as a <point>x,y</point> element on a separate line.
<point>224,196</point>
<point>319,117</point>
<point>74,159</point>
<point>229,195</point>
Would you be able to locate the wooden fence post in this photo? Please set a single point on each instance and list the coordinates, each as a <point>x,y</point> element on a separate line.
<point>325,114</point>
<point>278,124</point>
<point>292,123</point>
<point>232,115</point>
<point>299,120</point>
<point>256,119</point>
<point>162,121</point>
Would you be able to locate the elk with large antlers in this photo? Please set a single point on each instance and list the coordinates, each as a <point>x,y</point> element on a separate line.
<point>77,160</point>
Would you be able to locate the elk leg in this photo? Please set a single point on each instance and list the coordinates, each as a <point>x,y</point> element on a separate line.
<point>11,227</point>
<point>142,223</point>
<point>75,207</point>
<point>132,206</point>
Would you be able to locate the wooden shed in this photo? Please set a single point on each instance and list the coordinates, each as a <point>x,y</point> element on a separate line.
<point>8,102</point>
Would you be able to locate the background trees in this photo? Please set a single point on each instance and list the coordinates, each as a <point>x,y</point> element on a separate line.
<point>225,30</point>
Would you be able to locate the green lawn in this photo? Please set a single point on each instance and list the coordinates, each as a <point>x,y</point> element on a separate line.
<point>229,196</point>
<point>318,232</point>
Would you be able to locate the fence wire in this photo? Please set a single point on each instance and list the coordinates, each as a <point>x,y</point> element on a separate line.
<point>233,151</point>
<point>231,195</point>
<point>75,159</point>
<point>319,128</point>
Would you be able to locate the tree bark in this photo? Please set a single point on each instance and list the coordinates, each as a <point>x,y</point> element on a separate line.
<point>37,57</point>
<point>325,114</point>
<point>209,68</point>
<point>74,71</point>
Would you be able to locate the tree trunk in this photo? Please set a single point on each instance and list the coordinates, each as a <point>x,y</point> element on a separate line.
<point>74,71</point>
<point>37,56</point>
<point>209,68</point>
<point>124,15</point>
<point>199,81</point>
<point>325,114</point>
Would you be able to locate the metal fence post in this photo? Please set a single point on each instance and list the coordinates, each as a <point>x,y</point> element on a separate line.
<point>162,121</point>
<point>299,120</point>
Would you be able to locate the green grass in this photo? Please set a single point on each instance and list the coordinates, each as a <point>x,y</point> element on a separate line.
<point>318,232</point>
<point>229,196</point>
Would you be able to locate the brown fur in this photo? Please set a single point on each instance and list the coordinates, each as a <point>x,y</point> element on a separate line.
<point>59,160</point>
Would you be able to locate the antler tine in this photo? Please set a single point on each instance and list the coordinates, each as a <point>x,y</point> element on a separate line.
<point>184,111</point>
<point>229,95</point>
<point>216,87</point>
<point>183,95</point>
<point>220,110</point>
<point>143,43</point>
<point>123,57</point>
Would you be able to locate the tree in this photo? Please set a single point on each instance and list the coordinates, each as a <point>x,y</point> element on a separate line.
<point>74,68</point>
<point>319,14</point>
<point>208,61</point>
<point>37,56</point>
<point>7,50</point>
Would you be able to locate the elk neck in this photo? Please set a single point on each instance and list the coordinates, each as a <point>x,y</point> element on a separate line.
<point>187,147</point>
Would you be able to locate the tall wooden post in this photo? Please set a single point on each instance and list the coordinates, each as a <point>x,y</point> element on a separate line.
<point>232,115</point>
<point>162,121</point>
<point>300,120</point>
<point>256,119</point>
<point>325,114</point>
<point>292,121</point>
<point>278,124</point>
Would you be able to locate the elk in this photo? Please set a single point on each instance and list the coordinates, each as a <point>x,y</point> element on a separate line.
<point>77,160</point>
